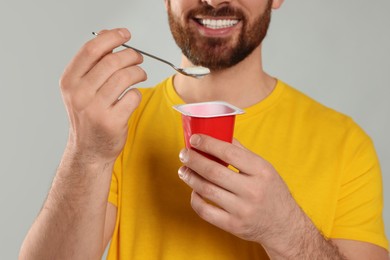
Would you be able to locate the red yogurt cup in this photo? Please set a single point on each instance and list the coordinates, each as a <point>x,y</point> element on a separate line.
<point>215,119</point>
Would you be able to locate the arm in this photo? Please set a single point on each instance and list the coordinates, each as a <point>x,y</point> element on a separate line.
<point>71,224</point>
<point>256,204</point>
<point>361,250</point>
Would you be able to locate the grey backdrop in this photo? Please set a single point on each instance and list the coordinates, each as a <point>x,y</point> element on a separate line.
<point>336,51</point>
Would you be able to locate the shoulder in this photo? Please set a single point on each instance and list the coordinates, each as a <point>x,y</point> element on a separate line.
<point>318,125</point>
<point>317,115</point>
<point>303,102</point>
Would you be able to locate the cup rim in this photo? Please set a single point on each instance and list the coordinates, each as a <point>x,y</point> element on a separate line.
<point>235,110</point>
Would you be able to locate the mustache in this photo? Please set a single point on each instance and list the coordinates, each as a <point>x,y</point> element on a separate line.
<point>207,10</point>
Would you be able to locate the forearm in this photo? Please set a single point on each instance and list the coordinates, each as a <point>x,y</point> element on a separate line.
<point>71,222</point>
<point>303,241</point>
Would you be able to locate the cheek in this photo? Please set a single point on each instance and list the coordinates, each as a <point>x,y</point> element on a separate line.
<point>256,7</point>
<point>178,7</point>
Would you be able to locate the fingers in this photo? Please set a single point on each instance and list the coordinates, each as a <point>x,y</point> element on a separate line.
<point>127,104</point>
<point>208,190</point>
<point>210,213</point>
<point>234,154</point>
<point>95,49</point>
<point>118,83</point>
<point>97,72</point>
<point>109,65</point>
<point>210,170</point>
<point>235,202</point>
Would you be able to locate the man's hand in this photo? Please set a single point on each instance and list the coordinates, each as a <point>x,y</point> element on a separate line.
<point>91,85</point>
<point>76,221</point>
<point>254,204</point>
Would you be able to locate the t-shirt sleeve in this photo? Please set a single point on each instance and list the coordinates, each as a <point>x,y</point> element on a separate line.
<point>360,205</point>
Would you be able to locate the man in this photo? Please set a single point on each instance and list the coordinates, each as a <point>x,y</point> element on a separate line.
<point>304,180</point>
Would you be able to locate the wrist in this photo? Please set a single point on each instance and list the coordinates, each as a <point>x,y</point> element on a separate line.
<point>92,148</point>
<point>81,179</point>
<point>303,241</point>
<point>78,152</point>
<point>288,241</point>
<point>83,169</point>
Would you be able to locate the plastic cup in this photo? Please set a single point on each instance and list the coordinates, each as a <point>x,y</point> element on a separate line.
<point>215,119</point>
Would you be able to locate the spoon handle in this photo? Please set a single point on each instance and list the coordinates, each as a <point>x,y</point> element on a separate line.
<point>150,55</point>
<point>145,53</point>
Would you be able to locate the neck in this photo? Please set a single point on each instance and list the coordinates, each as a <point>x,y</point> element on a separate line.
<point>242,85</point>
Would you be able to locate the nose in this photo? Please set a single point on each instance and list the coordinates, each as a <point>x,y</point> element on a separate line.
<point>215,3</point>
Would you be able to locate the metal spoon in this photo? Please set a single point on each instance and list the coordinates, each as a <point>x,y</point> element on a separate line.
<point>196,71</point>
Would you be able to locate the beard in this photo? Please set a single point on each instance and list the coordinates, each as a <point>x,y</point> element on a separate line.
<point>219,53</point>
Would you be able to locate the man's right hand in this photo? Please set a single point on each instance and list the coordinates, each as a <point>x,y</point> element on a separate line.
<point>76,221</point>
<point>91,85</point>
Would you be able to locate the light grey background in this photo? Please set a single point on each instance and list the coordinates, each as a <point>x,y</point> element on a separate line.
<point>336,51</point>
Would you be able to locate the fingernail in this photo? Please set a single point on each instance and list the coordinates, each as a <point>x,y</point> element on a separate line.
<point>195,140</point>
<point>124,33</point>
<point>183,156</point>
<point>182,172</point>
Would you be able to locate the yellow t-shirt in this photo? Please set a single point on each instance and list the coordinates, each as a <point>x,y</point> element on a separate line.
<point>327,161</point>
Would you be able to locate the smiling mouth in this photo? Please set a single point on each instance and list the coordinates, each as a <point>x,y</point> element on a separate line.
<point>217,23</point>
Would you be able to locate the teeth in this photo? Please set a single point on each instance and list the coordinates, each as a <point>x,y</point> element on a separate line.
<point>217,24</point>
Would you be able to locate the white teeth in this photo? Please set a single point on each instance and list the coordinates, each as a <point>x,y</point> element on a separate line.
<point>217,24</point>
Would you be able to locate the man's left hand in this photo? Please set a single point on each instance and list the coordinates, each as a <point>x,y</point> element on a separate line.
<point>254,204</point>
